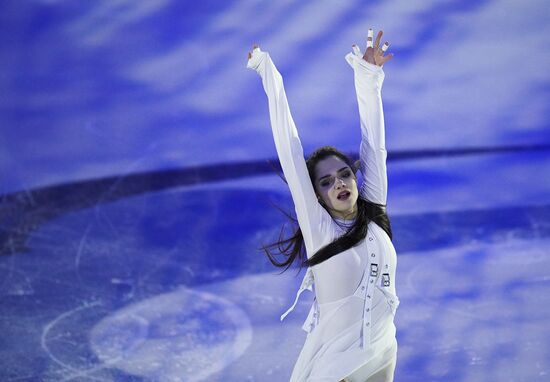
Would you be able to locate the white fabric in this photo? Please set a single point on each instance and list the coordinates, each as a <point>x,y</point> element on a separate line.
<point>370,35</point>
<point>350,324</point>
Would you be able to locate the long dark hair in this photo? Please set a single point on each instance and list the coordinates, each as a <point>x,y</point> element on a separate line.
<point>293,246</point>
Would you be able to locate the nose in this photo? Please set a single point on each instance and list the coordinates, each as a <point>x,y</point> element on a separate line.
<point>339,182</point>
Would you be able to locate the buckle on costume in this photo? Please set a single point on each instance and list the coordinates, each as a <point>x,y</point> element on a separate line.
<point>374,270</point>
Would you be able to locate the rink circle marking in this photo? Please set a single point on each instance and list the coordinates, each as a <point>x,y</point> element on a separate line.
<point>187,334</point>
<point>76,372</point>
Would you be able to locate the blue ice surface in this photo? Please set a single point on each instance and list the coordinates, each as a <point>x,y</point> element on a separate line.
<point>170,285</point>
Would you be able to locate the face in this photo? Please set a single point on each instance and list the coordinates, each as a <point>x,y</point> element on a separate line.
<point>333,177</point>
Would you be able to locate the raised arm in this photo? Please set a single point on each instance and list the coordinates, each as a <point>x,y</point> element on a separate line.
<point>369,77</point>
<point>312,217</point>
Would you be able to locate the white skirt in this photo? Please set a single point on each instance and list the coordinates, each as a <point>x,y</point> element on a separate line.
<point>383,365</point>
<point>330,357</point>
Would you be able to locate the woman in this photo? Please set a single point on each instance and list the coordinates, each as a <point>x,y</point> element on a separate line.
<point>345,231</point>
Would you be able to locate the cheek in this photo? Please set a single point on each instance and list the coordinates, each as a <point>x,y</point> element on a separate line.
<point>323,194</point>
<point>326,197</point>
<point>355,190</point>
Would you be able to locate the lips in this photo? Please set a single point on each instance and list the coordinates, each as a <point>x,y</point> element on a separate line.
<point>343,195</point>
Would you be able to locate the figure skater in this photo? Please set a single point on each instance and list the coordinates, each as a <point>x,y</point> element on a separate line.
<point>345,231</point>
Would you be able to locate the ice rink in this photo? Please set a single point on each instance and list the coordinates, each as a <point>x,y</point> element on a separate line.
<point>136,186</point>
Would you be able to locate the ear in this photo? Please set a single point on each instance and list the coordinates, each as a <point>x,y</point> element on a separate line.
<point>356,166</point>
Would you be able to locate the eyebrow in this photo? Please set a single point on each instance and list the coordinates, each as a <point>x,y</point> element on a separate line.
<point>326,176</point>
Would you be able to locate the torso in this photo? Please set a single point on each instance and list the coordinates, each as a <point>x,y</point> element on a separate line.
<point>339,276</point>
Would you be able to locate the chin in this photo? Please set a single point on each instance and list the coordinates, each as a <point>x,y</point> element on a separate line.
<point>346,208</point>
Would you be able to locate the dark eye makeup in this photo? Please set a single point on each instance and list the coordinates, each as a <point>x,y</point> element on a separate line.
<point>325,183</point>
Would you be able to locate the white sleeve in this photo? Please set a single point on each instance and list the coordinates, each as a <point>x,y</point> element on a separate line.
<point>312,217</point>
<point>368,80</point>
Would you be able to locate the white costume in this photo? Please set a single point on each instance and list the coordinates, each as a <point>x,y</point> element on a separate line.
<point>350,326</point>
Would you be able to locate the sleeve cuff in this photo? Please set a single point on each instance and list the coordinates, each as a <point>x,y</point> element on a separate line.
<point>355,62</point>
<point>257,58</point>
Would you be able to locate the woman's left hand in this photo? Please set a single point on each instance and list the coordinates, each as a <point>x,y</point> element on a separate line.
<point>250,53</point>
<point>375,53</point>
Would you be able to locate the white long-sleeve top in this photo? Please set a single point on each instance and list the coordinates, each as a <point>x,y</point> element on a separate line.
<point>355,298</point>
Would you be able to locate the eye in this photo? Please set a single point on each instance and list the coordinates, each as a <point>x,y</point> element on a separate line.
<point>347,174</point>
<point>327,181</point>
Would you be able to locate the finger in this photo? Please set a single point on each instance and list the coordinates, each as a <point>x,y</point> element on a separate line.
<point>356,50</point>
<point>369,38</point>
<point>377,42</point>
<point>386,58</point>
<point>382,49</point>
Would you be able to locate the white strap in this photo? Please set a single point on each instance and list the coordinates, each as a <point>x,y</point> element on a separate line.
<point>307,283</point>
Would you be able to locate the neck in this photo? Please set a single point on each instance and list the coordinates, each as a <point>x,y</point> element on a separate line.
<point>347,215</point>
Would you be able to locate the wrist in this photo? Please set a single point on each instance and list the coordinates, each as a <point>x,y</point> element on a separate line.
<point>373,68</point>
